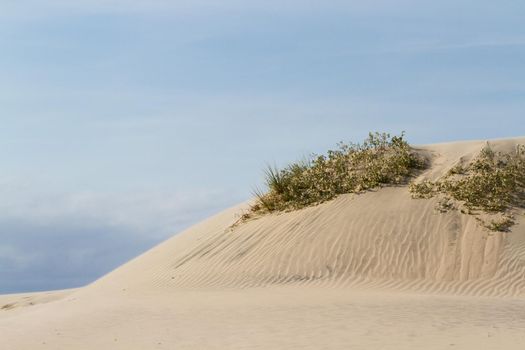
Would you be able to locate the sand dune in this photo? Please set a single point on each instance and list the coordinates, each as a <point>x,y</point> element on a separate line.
<point>369,271</point>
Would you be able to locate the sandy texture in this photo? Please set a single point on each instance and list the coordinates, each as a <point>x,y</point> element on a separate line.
<point>20,301</point>
<point>378,270</point>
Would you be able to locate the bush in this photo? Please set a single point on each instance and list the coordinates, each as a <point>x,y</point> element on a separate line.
<point>380,160</point>
<point>493,183</point>
<point>501,225</point>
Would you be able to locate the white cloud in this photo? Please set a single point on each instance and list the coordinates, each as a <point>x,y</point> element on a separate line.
<point>55,241</point>
<point>15,257</point>
<point>154,213</point>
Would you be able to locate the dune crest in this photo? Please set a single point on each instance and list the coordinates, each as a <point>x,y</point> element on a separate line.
<point>379,239</point>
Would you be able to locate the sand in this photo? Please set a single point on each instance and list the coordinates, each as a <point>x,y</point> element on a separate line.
<point>378,270</point>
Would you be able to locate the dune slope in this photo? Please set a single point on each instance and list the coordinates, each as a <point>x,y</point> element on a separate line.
<point>351,261</point>
<point>381,239</point>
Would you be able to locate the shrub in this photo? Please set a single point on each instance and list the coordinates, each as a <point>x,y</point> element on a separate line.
<point>493,182</point>
<point>425,189</point>
<point>501,225</point>
<point>380,160</point>
<point>445,205</point>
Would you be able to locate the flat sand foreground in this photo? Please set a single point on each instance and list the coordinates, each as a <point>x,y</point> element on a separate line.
<point>378,270</point>
<point>268,318</point>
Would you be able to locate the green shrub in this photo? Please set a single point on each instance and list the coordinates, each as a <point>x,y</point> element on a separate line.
<point>501,225</point>
<point>445,205</point>
<point>380,160</point>
<point>493,183</point>
<point>424,189</point>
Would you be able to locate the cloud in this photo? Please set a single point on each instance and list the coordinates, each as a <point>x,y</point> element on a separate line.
<point>55,241</point>
<point>155,212</point>
<point>12,257</point>
<point>37,256</point>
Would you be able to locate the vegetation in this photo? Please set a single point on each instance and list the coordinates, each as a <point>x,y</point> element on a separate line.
<point>380,160</point>
<point>501,225</point>
<point>492,183</point>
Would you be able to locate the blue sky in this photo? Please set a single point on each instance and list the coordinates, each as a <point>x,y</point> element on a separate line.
<point>123,122</point>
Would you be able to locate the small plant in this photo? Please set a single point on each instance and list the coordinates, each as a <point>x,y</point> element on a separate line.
<point>380,160</point>
<point>500,225</point>
<point>457,169</point>
<point>445,205</point>
<point>425,189</point>
<point>494,182</point>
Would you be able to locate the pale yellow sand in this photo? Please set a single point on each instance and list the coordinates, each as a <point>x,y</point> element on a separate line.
<point>373,271</point>
<point>22,300</point>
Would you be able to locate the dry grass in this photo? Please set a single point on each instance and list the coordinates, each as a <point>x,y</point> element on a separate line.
<point>493,183</point>
<point>380,160</point>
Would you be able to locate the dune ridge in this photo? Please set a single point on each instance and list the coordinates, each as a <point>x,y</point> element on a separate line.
<point>379,239</point>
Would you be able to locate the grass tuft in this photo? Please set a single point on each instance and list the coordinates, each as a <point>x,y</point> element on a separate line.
<point>380,160</point>
<point>501,225</point>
